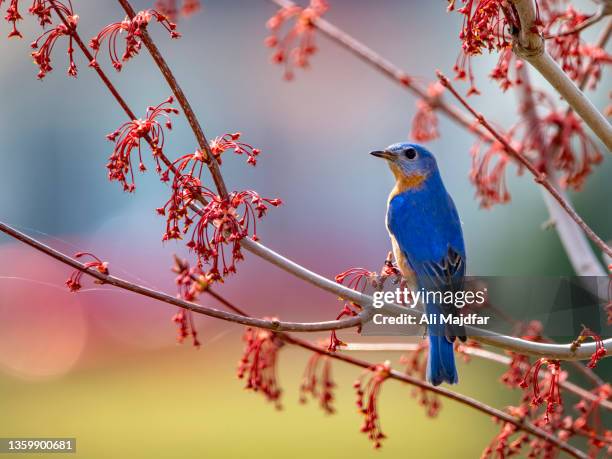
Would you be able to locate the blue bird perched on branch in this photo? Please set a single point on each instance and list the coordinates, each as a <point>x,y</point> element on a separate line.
<point>428,246</point>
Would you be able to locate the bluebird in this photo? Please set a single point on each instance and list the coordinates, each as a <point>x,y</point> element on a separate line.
<point>427,242</point>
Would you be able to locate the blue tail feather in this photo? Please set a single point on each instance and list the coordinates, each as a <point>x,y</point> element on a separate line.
<point>441,361</point>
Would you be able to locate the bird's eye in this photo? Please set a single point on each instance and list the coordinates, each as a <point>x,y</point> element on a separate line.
<point>410,153</point>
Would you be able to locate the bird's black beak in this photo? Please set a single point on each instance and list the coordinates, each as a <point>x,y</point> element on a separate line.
<point>382,154</point>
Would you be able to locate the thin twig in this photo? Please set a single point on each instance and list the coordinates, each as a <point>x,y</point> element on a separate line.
<point>275,325</point>
<point>604,10</point>
<point>539,177</point>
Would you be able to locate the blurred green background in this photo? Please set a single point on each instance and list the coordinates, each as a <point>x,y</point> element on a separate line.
<point>103,366</point>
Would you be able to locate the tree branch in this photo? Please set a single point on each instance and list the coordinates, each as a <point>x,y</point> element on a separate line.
<point>275,325</point>
<point>529,45</point>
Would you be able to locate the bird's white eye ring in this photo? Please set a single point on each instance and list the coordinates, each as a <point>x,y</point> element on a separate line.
<point>410,153</point>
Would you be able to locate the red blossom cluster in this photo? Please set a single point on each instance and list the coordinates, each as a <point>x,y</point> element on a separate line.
<point>74,281</point>
<point>13,16</point>
<point>129,136</point>
<point>551,396</point>
<point>287,52</point>
<point>488,172</point>
<point>600,350</point>
<point>416,365</point>
<point>231,142</point>
<point>221,222</point>
<point>172,10</point>
<point>318,383</point>
<point>44,44</point>
<point>589,421</point>
<point>487,26</point>
<point>258,363</point>
<point>502,70</point>
<point>490,24</point>
<point>558,22</point>
<point>425,121</point>
<point>367,400</point>
<point>133,29</point>
<point>191,282</point>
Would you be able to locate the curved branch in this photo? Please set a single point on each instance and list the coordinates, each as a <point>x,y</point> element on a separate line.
<point>273,324</point>
<point>529,45</point>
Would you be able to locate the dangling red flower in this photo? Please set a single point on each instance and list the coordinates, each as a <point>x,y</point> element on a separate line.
<point>501,72</point>
<point>425,121</point>
<point>74,281</point>
<point>553,396</point>
<point>44,44</point>
<point>129,136</point>
<point>190,282</point>
<point>230,142</point>
<point>576,152</point>
<point>600,350</point>
<point>487,26</point>
<point>318,383</point>
<point>303,30</point>
<point>367,400</point>
<point>258,363</point>
<point>13,16</point>
<point>488,174</point>
<point>133,29</point>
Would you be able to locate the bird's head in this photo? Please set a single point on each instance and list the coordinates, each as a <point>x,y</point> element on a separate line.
<point>411,164</point>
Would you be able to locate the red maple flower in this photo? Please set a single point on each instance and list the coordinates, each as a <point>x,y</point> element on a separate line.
<point>133,29</point>
<point>589,420</point>
<point>129,136</point>
<point>74,281</point>
<point>222,222</point>
<point>230,142</point>
<point>258,363</point>
<point>552,379</point>
<point>425,121</point>
<point>13,16</point>
<point>488,173</point>
<point>44,44</point>
<point>569,49</point>
<point>367,400</point>
<point>487,25</point>
<point>302,30</point>
<point>416,365</point>
<point>600,350</point>
<point>501,72</point>
<point>42,10</point>
<point>190,282</point>
<point>318,383</point>
<point>575,153</point>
